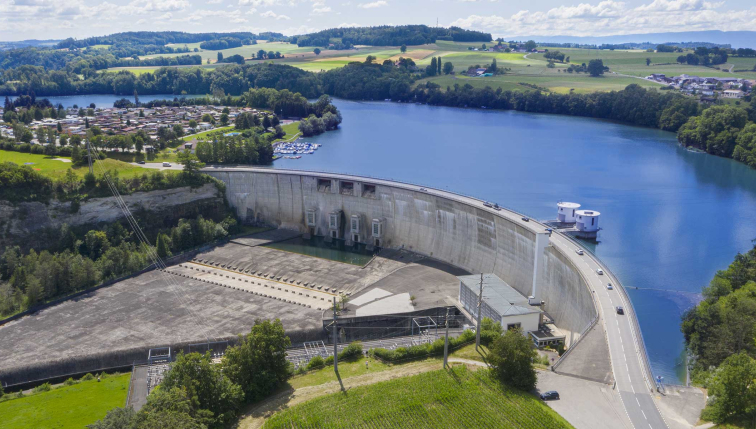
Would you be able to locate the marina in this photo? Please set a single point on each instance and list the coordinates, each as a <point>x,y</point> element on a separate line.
<point>295,149</point>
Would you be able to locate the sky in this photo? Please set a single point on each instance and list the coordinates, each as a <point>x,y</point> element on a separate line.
<point>48,19</point>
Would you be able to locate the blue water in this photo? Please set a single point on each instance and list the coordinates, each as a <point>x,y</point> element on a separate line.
<point>671,218</point>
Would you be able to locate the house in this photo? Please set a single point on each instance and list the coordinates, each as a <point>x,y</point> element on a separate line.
<point>732,93</point>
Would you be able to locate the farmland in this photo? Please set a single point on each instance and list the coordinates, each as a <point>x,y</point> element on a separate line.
<point>67,406</point>
<point>437,399</point>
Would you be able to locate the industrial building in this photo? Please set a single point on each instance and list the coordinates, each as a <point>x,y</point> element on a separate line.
<point>501,302</point>
<point>566,212</point>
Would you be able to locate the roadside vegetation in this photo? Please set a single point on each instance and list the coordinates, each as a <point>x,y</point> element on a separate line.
<point>720,334</point>
<point>71,405</point>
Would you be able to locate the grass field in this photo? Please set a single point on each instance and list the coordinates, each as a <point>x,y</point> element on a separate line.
<point>55,169</point>
<point>136,70</point>
<point>436,399</point>
<point>66,407</point>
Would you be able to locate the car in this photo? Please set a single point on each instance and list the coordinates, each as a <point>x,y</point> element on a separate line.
<point>620,310</point>
<point>496,207</point>
<point>549,230</point>
<point>524,219</point>
<point>423,190</point>
<point>487,204</point>
<point>600,272</point>
<point>140,162</point>
<point>579,251</point>
<point>609,286</point>
<point>551,394</point>
<point>166,164</point>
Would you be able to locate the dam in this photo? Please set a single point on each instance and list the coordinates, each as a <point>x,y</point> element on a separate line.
<point>427,238</point>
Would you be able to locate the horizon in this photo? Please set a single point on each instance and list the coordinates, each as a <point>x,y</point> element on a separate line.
<point>37,19</point>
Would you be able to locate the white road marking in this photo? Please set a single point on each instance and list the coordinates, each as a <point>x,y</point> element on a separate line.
<point>636,400</point>
<point>644,415</point>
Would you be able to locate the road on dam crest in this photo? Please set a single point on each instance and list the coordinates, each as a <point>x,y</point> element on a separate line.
<point>632,375</point>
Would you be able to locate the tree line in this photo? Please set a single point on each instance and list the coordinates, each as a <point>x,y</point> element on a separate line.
<point>387,35</point>
<point>720,335</point>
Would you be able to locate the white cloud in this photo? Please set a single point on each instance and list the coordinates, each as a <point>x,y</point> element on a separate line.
<point>346,25</point>
<point>373,4</point>
<point>320,10</point>
<point>302,29</point>
<point>214,1</point>
<point>271,14</point>
<point>259,2</point>
<point>611,17</point>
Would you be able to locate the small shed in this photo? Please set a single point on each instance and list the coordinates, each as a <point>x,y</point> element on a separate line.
<point>501,302</point>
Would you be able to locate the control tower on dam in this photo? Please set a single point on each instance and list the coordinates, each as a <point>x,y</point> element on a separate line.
<point>449,227</point>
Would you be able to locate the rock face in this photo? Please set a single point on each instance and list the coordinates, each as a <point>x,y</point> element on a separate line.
<point>27,223</point>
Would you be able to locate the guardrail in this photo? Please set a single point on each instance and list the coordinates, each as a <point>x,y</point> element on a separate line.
<point>637,333</point>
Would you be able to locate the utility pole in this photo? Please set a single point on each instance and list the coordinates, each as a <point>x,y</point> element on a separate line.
<point>446,340</point>
<point>480,308</point>
<point>335,345</point>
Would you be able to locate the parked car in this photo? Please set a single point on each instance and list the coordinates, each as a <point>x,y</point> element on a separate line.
<point>487,204</point>
<point>551,394</point>
<point>140,162</point>
<point>620,310</point>
<point>609,286</point>
<point>579,251</point>
<point>600,272</point>
<point>524,219</point>
<point>166,164</point>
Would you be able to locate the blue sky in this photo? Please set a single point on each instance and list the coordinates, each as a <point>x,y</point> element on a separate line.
<point>47,19</point>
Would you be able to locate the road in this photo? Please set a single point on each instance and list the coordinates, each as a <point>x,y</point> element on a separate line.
<point>626,353</point>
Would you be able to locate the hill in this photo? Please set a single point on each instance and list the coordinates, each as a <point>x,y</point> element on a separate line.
<point>737,39</point>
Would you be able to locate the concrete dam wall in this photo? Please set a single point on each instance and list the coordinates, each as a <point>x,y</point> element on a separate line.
<point>452,228</point>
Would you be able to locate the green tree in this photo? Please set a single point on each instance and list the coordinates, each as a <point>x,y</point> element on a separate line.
<point>207,386</point>
<point>648,62</point>
<point>163,246</point>
<point>138,144</point>
<point>258,362</point>
<point>224,119</point>
<point>192,124</point>
<point>178,130</point>
<point>715,130</point>
<point>733,390</point>
<point>438,64</point>
<point>220,57</point>
<point>97,243</point>
<point>511,357</point>
<point>261,54</point>
<point>448,67</point>
<point>403,49</point>
<point>370,59</point>
<point>596,67</point>
<point>316,51</point>
<point>192,164</point>
<point>530,45</point>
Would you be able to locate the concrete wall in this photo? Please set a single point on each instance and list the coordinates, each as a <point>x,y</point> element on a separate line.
<point>449,227</point>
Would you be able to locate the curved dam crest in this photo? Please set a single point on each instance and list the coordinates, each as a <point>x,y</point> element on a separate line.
<point>452,228</point>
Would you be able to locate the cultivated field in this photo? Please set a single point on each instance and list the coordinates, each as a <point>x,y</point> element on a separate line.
<point>67,406</point>
<point>437,399</point>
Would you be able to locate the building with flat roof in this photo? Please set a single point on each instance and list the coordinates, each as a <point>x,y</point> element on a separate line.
<point>501,302</point>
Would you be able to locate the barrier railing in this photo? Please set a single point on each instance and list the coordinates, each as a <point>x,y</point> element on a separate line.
<point>635,325</point>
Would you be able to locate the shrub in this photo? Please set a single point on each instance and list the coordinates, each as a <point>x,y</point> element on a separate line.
<point>87,377</point>
<point>329,360</point>
<point>352,352</point>
<point>42,388</point>
<point>316,363</point>
<point>69,382</point>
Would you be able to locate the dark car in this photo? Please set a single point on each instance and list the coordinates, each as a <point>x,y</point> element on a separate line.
<point>551,394</point>
<point>140,162</point>
<point>620,310</point>
<point>525,219</point>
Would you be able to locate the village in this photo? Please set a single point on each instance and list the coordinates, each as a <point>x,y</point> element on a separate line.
<point>709,88</point>
<point>119,121</point>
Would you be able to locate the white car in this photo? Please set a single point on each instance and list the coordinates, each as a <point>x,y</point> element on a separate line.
<point>579,251</point>
<point>609,286</point>
<point>166,164</point>
<point>600,272</point>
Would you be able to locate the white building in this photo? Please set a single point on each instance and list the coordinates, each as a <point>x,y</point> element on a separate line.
<point>501,302</point>
<point>566,212</point>
<point>587,221</point>
<point>732,93</point>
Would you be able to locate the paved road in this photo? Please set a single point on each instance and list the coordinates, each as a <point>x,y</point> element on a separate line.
<point>626,355</point>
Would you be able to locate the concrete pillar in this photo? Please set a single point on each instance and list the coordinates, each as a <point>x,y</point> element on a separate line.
<point>542,240</point>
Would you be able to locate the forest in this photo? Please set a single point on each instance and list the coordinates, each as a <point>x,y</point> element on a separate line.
<point>720,334</point>
<point>386,35</point>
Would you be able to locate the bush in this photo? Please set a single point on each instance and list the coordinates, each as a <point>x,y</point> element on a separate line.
<point>352,352</point>
<point>423,351</point>
<point>69,382</point>
<point>87,377</point>
<point>316,363</point>
<point>42,388</point>
<point>329,360</point>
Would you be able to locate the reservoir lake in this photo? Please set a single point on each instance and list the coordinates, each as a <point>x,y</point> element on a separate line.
<point>670,217</point>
